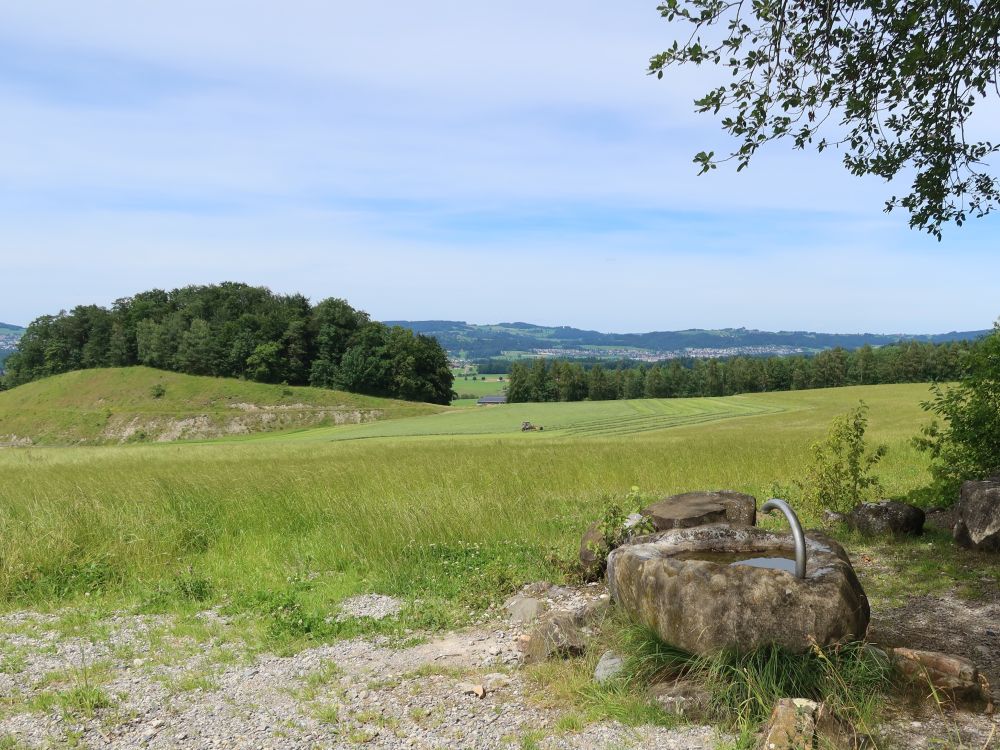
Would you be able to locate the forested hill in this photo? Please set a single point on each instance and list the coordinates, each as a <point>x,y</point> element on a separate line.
<point>240,331</point>
<point>483,341</point>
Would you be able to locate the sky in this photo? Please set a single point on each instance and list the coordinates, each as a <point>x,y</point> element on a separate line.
<point>436,160</point>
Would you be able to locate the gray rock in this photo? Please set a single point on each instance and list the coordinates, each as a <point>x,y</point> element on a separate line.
<point>536,588</point>
<point>977,516</point>
<point>686,698</point>
<point>885,518</point>
<point>609,667</point>
<point>524,609</point>
<point>698,508</point>
<point>704,606</point>
<point>594,611</point>
<point>832,518</point>
<point>556,634</point>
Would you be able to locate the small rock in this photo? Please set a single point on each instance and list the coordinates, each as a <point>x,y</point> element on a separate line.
<point>953,677</point>
<point>832,518</point>
<point>792,725</point>
<point>538,588</point>
<point>608,667</point>
<point>685,698</point>
<point>468,688</point>
<point>887,517</point>
<point>524,609</point>
<point>594,611</point>
<point>555,634</point>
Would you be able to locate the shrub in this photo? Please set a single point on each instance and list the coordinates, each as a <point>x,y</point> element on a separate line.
<point>158,391</point>
<point>841,473</point>
<point>967,445</point>
<point>615,528</point>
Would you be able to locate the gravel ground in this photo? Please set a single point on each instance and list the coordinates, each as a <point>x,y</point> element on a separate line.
<point>168,689</point>
<point>176,692</point>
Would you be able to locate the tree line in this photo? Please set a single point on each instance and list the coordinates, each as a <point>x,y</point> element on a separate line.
<point>240,331</point>
<point>906,362</point>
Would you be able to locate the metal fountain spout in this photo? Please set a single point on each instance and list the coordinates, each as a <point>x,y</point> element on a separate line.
<point>800,539</point>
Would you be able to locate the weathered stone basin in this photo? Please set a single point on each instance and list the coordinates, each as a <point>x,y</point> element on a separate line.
<point>695,588</point>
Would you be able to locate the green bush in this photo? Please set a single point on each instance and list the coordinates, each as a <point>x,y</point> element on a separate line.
<point>841,475</point>
<point>967,445</point>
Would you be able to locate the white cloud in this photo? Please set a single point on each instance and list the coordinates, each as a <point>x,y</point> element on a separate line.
<point>390,154</point>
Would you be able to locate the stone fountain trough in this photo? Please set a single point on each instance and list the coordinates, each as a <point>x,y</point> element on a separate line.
<point>718,587</point>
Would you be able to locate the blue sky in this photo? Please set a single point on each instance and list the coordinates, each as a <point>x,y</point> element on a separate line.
<point>436,160</point>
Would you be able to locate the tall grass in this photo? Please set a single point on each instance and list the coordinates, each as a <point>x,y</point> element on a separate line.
<point>459,517</point>
<point>852,679</point>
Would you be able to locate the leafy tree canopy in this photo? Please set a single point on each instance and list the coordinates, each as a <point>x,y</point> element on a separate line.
<point>967,444</point>
<point>236,330</point>
<point>894,84</point>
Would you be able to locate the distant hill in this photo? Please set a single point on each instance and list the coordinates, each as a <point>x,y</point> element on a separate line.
<point>9,336</point>
<point>469,341</point>
<point>138,404</point>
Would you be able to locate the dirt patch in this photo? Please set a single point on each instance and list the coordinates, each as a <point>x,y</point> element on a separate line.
<point>249,419</point>
<point>15,441</point>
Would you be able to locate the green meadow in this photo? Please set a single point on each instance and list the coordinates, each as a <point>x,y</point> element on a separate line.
<point>451,509</point>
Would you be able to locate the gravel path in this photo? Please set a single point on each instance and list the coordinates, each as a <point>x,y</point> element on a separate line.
<point>181,692</point>
<point>141,681</point>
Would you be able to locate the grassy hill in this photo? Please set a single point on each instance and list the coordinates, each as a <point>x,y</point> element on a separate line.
<point>135,404</point>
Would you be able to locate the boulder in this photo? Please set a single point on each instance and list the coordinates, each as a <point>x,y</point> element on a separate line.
<point>555,634</point>
<point>699,508</point>
<point>977,516</point>
<point>609,667</point>
<point>682,585</point>
<point>885,518</point>
<point>953,678</point>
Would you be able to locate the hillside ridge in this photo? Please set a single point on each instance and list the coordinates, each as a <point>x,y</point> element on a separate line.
<point>479,341</point>
<point>141,404</point>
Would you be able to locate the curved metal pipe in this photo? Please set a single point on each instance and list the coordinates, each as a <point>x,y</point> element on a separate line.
<point>800,539</point>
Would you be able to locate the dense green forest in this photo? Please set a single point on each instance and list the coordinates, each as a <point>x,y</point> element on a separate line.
<point>909,362</point>
<point>240,331</point>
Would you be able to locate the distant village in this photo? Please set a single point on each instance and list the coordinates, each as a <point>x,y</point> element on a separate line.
<point>8,341</point>
<point>647,355</point>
